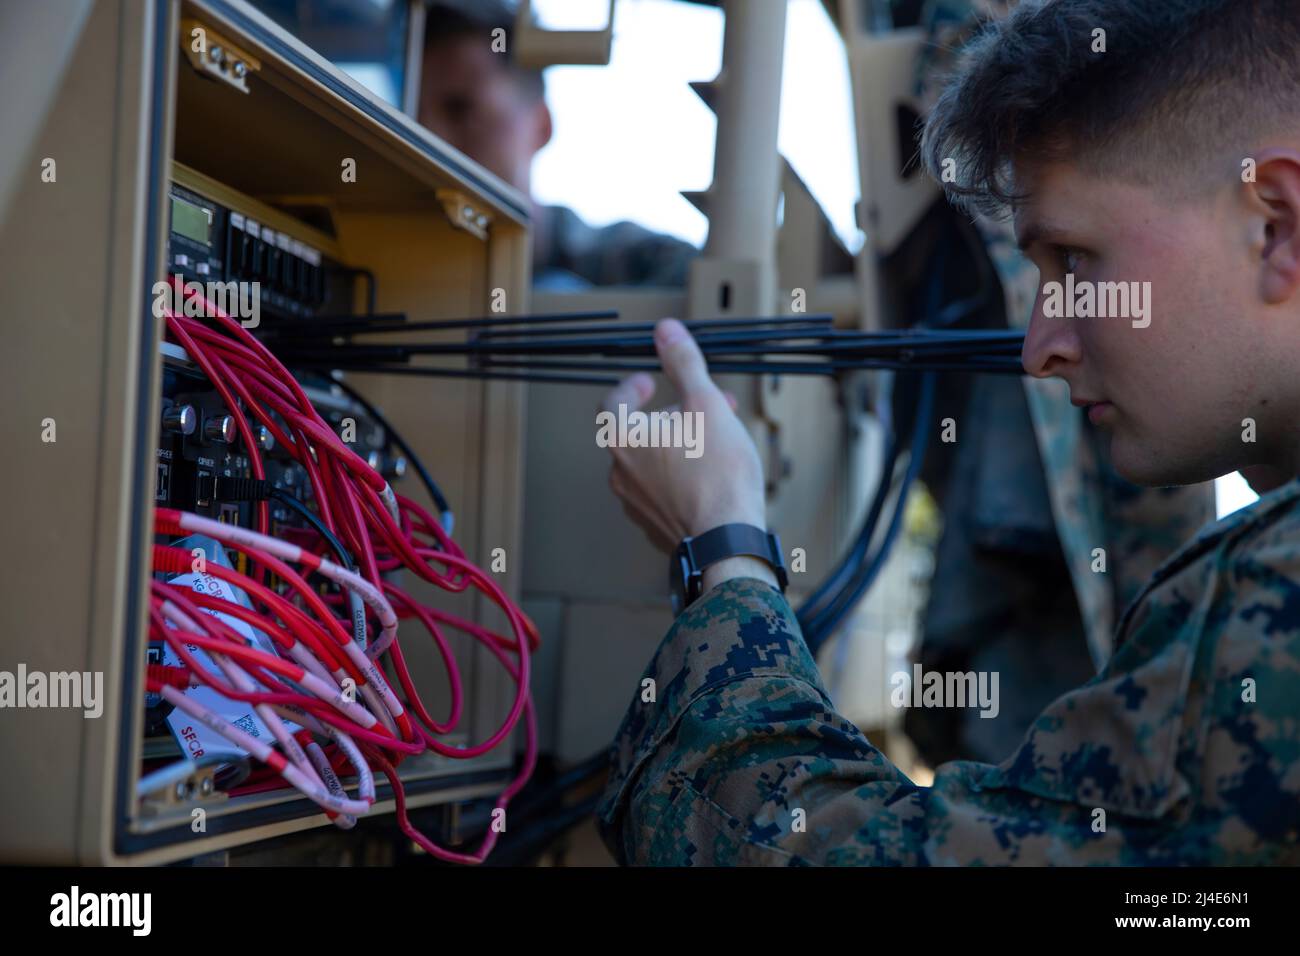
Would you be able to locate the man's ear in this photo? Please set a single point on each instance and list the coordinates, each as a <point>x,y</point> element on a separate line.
<point>1276,197</point>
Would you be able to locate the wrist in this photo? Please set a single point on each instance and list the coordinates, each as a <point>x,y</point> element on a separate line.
<point>740,566</point>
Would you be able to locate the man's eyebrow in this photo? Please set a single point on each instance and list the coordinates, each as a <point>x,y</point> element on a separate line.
<point>1038,231</point>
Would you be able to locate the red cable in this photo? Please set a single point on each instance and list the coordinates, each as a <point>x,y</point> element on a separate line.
<point>347,497</point>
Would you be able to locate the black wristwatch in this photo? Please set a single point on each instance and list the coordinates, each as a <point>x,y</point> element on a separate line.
<point>693,555</point>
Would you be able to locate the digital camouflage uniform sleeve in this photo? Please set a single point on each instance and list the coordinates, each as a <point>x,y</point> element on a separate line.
<point>1093,507</point>
<point>1183,750</point>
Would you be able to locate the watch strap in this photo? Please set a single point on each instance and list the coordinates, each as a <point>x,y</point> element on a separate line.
<point>726,541</point>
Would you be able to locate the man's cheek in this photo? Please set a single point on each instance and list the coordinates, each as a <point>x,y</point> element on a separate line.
<point>1129,358</point>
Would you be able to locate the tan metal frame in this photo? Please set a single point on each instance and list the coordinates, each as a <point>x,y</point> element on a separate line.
<point>77,351</point>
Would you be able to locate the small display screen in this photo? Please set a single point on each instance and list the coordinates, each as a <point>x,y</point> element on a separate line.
<point>191,221</point>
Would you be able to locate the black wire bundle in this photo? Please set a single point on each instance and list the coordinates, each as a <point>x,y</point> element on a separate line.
<point>541,349</point>
<point>828,607</point>
<point>578,348</point>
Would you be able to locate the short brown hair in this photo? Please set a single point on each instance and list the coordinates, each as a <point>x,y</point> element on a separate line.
<point>449,22</point>
<point>1183,89</point>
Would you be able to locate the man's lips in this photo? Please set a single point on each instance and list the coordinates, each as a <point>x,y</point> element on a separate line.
<point>1095,409</point>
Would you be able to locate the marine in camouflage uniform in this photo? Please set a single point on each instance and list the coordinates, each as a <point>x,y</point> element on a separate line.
<point>1181,751</point>
<point>1093,506</point>
<point>1024,522</point>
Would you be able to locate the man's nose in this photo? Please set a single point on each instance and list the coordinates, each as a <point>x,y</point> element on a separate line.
<point>1051,344</point>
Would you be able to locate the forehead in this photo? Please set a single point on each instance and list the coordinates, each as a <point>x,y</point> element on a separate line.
<point>1064,202</point>
<point>458,59</point>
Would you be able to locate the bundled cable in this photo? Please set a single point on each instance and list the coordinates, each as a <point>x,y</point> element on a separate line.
<point>538,348</point>
<point>581,349</point>
<point>326,695</point>
<point>830,605</point>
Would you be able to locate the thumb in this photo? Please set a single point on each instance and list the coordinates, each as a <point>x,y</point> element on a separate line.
<point>681,358</point>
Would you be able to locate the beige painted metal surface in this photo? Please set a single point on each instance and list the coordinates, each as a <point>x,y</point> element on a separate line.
<point>81,351</point>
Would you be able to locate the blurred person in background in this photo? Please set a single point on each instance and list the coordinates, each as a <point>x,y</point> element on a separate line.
<point>494,111</point>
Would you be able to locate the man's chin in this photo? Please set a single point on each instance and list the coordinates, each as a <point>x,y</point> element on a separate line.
<point>1152,467</point>
<point>1150,477</point>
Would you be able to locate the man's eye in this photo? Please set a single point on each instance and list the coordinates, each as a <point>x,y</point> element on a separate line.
<point>457,107</point>
<point>1070,259</point>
